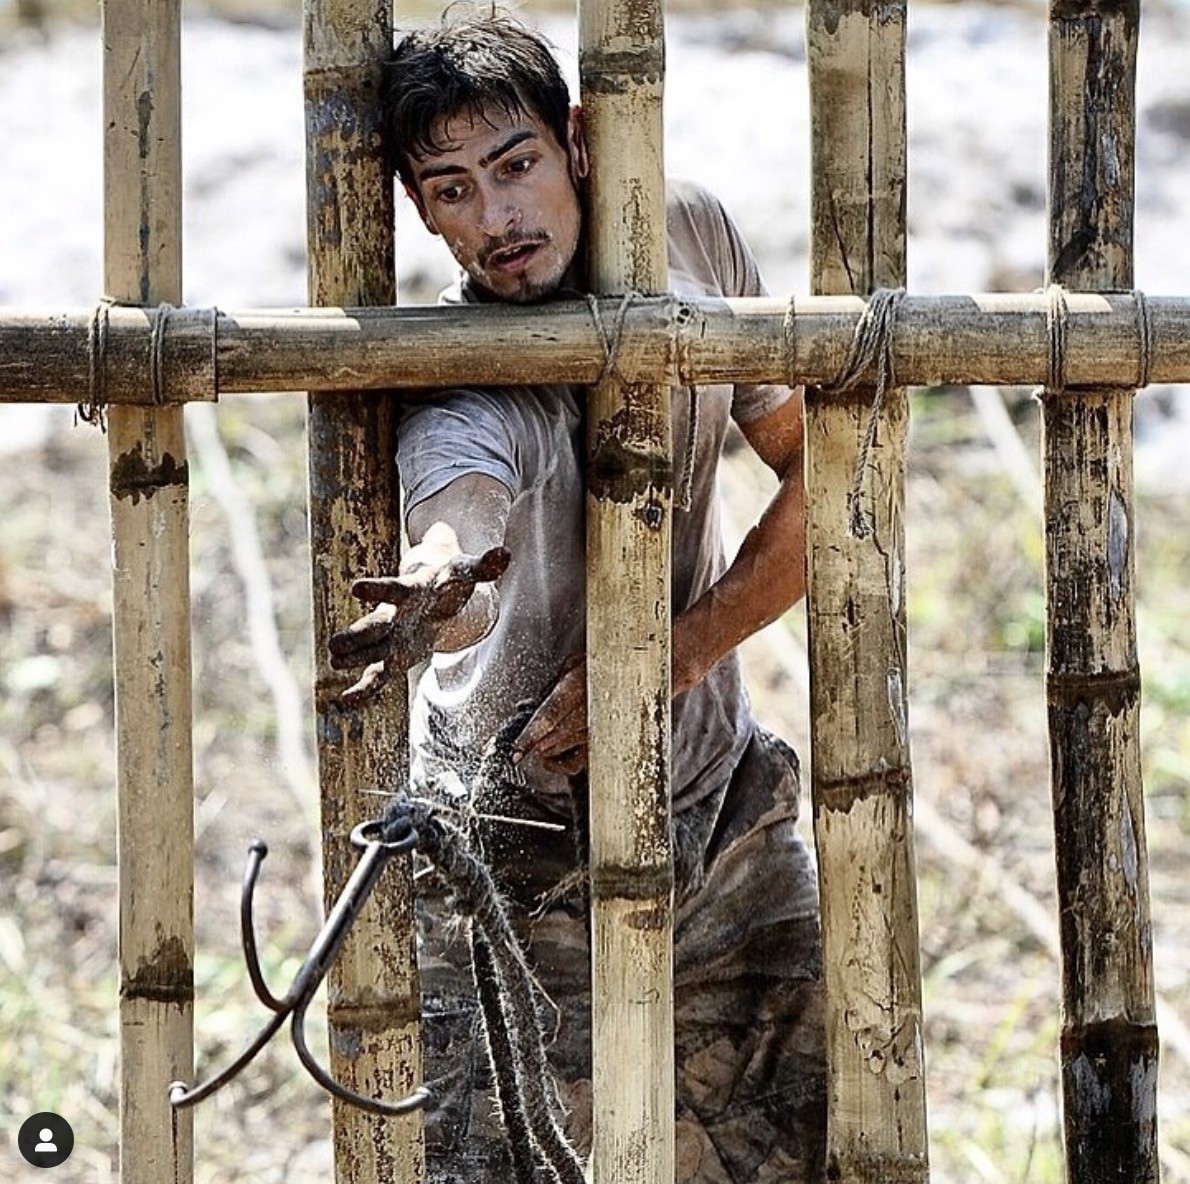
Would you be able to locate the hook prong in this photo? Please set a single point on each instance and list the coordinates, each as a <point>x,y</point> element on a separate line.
<point>417,1100</point>
<point>256,856</point>
<point>379,841</point>
<point>181,1095</point>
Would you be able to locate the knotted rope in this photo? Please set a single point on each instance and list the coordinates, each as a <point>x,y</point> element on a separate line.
<point>157,354</point>
<point>94,409</point>
<point>1057,321</point>
<point>1057,318</point>
<point>610,340</point>
<point>506,987</point>
<point>871,345</point>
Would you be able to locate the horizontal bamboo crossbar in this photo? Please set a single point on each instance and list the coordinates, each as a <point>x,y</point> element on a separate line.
<point>195,355</point>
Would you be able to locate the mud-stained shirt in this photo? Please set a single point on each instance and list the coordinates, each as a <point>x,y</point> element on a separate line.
<point>530,439</point>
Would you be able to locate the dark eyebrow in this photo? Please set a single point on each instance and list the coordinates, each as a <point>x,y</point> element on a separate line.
<point>512,142</point>
<point>450,170</point>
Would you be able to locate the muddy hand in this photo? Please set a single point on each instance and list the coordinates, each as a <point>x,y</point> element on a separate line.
<point>410,608</point>
<point>557,732</point>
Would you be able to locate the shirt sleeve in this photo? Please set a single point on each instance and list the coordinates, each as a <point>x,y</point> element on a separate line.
<point>738,274</point>
<point>460,434</point>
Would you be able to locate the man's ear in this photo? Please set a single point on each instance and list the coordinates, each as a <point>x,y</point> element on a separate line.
<point>576,145</point>
<point>414,195</point>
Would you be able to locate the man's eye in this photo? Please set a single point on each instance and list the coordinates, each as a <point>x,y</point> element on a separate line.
<point>449,194</point>
<point>520,166</point>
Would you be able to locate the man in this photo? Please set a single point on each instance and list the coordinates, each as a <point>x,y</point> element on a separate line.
<point>491,152</point>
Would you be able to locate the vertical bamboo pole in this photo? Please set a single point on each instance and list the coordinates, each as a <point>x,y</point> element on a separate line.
<point>148,483</point>
<point>621,60</point>
<point>1109,1034</point>
<point>354,524</point>
<point>861,775</point>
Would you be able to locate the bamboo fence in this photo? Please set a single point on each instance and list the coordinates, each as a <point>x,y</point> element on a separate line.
<point>629,524</point>
<point>1109,1032</point>
<point>861,779</point>
<point>150,603</point>
<point>1090,348</point>
<point>1117,339</point>
<point>373,998</point>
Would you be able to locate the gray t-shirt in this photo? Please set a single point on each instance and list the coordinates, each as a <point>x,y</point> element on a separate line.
<point>531,440</point>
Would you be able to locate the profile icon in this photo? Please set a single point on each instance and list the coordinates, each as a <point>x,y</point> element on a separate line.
<point>45,1139</point>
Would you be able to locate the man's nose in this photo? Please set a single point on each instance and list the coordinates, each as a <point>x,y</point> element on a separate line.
<point>498,215</point>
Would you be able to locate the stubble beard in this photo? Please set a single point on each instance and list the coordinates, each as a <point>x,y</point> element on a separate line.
<point>521,287</point>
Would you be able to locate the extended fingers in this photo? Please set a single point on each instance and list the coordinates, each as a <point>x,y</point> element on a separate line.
<point>366,686</point>
<point>439,589</point>
<point>384,589</point>
<point>364,640</point>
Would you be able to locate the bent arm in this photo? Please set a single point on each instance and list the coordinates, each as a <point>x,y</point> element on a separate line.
<point>766,577</point>
<point>768,574</point>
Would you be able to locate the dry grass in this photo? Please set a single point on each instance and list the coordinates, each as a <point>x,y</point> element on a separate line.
<point>980,764</point>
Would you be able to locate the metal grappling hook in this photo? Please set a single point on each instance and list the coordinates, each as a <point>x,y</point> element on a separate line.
<point>379,840</point>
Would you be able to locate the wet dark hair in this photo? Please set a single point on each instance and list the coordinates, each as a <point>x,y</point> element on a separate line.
<point>470,62</point>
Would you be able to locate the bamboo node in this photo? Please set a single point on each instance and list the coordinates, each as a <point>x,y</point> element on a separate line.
<point>871,344</point>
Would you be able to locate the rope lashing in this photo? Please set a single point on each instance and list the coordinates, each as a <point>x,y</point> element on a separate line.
<point>871,345</point>
<point>1057,318</point>
<point>610,340</point>
<point>1057,322</point>
<point>94,409</point>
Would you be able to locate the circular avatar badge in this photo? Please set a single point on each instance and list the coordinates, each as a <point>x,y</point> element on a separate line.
<point>45,1139</point>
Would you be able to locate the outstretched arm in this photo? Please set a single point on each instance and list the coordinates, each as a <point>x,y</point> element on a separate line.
<point>443,598</point>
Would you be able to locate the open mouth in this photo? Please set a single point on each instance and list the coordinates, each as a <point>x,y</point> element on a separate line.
<point>514,258</point>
